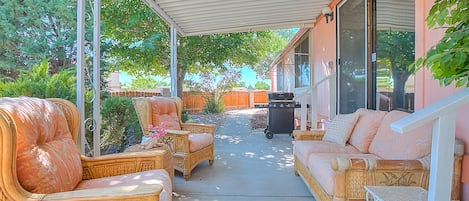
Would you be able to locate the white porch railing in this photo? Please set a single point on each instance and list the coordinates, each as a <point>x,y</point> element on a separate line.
<point>313,91</point>
<point>443,116</point>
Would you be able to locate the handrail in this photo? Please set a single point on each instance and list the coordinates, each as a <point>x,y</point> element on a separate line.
<point>443,116</point>
<point>313,90</point>
<point>432,112</point>
<point>323,80</point>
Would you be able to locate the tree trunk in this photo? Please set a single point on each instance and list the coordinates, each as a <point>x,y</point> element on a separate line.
<point>400,78</point>
<point>181,75</point>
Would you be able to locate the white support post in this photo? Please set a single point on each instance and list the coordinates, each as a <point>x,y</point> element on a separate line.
<point>96,78</point>
<point>332,96</point>
<point>173,67</point>
<point>314,107</point>
<point>304,111</point>
<point>81,141</point>
<point>442,158</point>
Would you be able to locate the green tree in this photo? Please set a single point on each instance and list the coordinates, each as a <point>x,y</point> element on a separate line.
<point>397,48</point>
<point>261,85</point>
<point>35,30</point>
<point>139,43</point>
<point>146,82</point>
<point>240,84</point>
<point>449,59</point>
<point>283,36</point>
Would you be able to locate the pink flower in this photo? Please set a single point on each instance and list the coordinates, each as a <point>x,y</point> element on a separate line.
<point>157,131</point>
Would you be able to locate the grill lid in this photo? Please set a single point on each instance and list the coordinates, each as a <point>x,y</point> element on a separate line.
<point>273,96</point>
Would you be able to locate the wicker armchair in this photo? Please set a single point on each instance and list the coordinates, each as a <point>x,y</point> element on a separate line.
<point>191,143</point>
<point>39,159</point>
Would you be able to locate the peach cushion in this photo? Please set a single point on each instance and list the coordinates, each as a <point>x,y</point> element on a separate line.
<point>199,141</point>
<point>303,148</point>
<point>320,168</point>
<point>163,110</point>
<point>388,144</point>
<point>340,128</point>
<point>147,177</point>
<point>366,128</point>
<point>47,158</point>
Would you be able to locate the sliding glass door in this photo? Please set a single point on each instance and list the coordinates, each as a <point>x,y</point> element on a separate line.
<point>352,57</point>
<point>376,42</point>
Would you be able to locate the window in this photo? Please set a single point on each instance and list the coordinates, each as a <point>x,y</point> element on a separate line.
<point>302,67</point>
<point>280,77</point>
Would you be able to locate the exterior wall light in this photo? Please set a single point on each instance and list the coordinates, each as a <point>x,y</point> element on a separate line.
<point>327,12</point>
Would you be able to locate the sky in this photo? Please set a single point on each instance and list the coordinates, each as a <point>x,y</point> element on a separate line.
<point>247,75</point>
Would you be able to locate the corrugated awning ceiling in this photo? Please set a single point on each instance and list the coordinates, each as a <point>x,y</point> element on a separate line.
<point>201,17</point>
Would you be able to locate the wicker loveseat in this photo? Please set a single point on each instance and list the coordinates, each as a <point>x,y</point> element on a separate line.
<point>191,143</point>
<point>39,159</point>
<point>371,154</point>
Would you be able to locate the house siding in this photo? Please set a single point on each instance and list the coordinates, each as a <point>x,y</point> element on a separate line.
<point>428,90</point>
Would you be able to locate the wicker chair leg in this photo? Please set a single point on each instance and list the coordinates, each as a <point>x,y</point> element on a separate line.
<point>210,162</point>
<point>187,175</point>
<point>295,170</point>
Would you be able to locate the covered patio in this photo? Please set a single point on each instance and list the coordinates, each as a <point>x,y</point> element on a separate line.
<point>200,17</point>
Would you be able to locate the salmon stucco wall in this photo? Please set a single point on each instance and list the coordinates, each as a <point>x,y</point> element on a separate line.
<point>323,58</point>
<point>428,90</point>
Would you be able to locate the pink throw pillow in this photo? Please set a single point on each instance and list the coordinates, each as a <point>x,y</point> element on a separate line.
<point>340,128</point>
<point>391,145</point>
<point>366,128</point>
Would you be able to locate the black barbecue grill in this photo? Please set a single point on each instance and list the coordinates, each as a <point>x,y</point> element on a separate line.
<point>281,113</point>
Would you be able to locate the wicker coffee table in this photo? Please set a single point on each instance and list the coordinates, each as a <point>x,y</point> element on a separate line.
<point>168,158</point>
<point>396,193</point>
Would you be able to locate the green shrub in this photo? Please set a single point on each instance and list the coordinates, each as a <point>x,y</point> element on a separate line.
<point>118,119</point>
<point>40,83</point>
<point>214,104</point>
<point>184,116</point>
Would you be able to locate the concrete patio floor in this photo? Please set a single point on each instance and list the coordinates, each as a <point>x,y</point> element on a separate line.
<point>248,166</point>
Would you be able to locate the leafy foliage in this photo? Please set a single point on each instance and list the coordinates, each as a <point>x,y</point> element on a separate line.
<point>216,83</point>
<point>146,82</point>
<point>139,44</point>
<point>396,48</point>
<point>40,83</point>
<point>217,80</point>
<point>214,104</point>
<point>261,85</point>
<point>119,117</point>
<point>449,59</point>
<point>33,30</point>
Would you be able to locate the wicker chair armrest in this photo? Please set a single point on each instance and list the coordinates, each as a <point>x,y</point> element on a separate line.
<point>122,163</point>
<point>354,174</point>
<point>348,164</point>
<point>134,192</point>
<point>179,140</point>
<point>314,134</point>
<point>198,128</point>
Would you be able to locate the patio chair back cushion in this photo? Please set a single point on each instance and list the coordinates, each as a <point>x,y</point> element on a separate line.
<point>47,158</point>
<point>164,110</point>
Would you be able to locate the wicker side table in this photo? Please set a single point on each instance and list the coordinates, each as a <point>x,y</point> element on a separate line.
<point>168,158</point>
<point>395,193</point>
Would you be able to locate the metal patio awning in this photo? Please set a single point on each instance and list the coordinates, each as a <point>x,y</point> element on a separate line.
<point>202,17</point>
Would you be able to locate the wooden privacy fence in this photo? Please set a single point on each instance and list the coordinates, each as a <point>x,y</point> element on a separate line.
<point>134,93</point>
<point>195,101</point>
